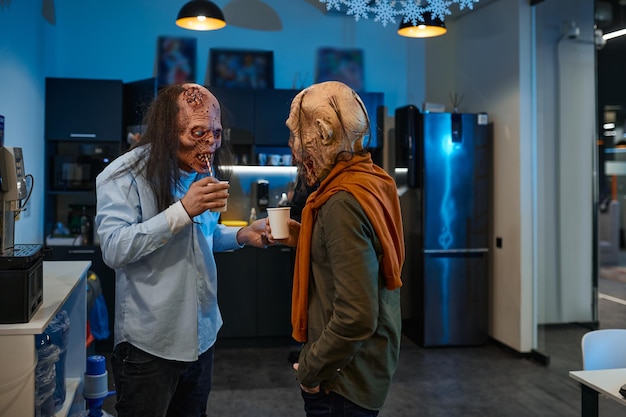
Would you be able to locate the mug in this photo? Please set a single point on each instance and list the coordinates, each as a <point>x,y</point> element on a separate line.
<point>286,160</point>
<point>273,160</point>
<point>262,159</point>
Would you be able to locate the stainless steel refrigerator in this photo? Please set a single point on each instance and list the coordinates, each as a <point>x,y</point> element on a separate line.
<point>446,217</point>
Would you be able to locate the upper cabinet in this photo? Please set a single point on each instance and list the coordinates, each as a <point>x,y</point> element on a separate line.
<point>256,119</point>
<point>237,107</point>
<point>83,110</point>
<point>83,133</point>
<point>137,98</point>
<point>271,109</point>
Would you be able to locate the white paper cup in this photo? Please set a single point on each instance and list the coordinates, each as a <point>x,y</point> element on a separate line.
<point>225,200</point>
<point>279,217</point>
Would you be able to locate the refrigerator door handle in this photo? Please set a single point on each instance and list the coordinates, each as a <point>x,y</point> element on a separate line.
<point>455,251</point>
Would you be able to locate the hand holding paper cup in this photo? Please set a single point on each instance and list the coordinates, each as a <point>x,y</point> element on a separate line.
<point>225,200</point>
<point>279,221</point>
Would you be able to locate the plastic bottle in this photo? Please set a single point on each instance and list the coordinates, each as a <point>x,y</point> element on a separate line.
<point>95,387</point>
<point>58,331</point>
<point>45,375</point>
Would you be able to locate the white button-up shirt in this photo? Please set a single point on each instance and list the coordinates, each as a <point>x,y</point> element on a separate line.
<point>166,278</point>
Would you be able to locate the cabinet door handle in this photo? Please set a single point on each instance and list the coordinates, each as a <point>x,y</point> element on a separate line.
<point>82,135</point>
<point>79,251</point>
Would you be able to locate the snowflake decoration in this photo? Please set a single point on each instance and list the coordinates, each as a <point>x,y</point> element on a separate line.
<point>358,8</point>
<point>385,11</point>
<point>439,9</point>
<point>412,13</point>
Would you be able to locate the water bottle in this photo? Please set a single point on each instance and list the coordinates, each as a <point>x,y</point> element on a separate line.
<point>58,330</point>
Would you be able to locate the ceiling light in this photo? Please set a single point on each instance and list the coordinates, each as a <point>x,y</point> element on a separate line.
<point>425,28</point>
<point>200,15</point>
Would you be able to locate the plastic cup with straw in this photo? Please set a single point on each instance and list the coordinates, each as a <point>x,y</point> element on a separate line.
<point>211,173</point>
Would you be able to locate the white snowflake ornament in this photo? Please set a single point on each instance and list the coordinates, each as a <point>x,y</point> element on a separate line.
<point>385,11</point>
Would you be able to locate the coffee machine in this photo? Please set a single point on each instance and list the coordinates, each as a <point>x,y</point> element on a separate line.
<point>13,187</point>
<point>21,265</point>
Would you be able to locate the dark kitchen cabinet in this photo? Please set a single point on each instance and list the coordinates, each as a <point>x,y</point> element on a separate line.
<point>236,292</point>
<point>254,292</point>
<point>254,120</point>
<point>274,283</point>
<point>83,109</point>
<point>237,107</point>
<point>137,96</point>
<point>83,133</point>
<point>271,109</point>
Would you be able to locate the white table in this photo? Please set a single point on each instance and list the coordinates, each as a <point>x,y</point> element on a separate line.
<point>604,381</point>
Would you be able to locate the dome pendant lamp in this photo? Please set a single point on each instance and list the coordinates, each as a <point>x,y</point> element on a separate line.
<point>200,15</point>
<point>425,28</point>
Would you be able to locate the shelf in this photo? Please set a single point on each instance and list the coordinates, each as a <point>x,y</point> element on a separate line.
<point>64,288</point>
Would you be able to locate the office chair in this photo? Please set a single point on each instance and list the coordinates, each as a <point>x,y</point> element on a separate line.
<point>604,349</point>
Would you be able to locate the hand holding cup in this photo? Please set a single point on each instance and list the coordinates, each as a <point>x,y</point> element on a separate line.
<point>280,228</point>
<point>278,220</point>
<point>224,200</point>
<point>205,194</point>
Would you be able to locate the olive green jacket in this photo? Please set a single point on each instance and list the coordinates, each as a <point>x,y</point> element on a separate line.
<point>354,322</point>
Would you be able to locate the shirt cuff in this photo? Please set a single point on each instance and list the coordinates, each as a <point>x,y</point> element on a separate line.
<point>177,217</point>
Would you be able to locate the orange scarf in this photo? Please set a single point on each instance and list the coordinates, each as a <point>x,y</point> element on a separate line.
<point>377,194</point>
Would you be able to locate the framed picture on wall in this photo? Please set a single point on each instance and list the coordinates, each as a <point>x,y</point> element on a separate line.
<point>241,68</point>
<point>345,65</point>
<point>176,60</point>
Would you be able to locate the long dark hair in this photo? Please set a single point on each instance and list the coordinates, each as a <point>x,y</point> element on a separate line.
<point>159,165</point>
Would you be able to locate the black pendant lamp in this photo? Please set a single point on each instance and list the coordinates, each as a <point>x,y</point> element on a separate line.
<point>425,28</point>
<point>200,15</point>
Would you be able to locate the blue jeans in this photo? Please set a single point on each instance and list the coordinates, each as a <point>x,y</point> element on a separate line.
<point>333,405</point>
<point>150,386</point>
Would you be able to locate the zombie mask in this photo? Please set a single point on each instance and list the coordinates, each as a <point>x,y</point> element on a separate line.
<point>325,120</point>
<point>200,128</point>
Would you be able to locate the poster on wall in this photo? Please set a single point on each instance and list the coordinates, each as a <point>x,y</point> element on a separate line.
<point>176,60</point>
<point>345,65</point>
<point>241,68</point>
